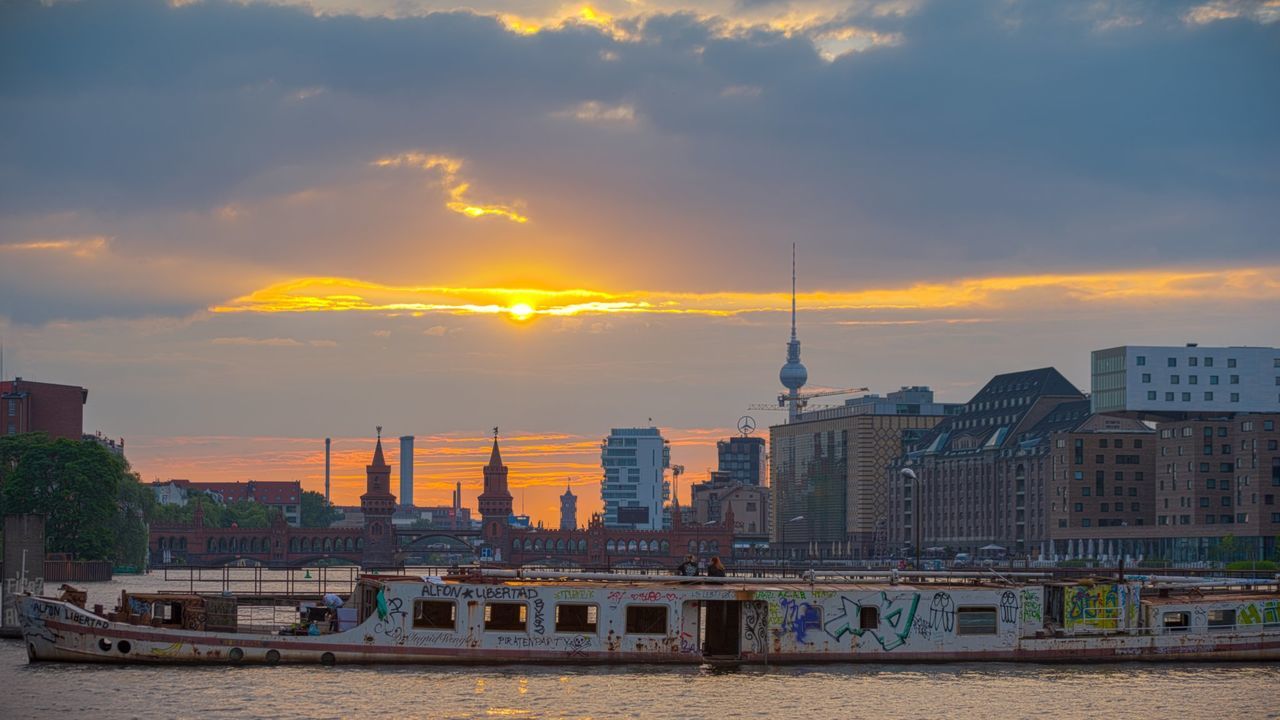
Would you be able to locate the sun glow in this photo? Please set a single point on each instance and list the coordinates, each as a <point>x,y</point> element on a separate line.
<point>522,311</point>
<point>331,294</point>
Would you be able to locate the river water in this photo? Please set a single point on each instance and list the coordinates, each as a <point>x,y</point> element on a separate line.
<point>1131,690</point>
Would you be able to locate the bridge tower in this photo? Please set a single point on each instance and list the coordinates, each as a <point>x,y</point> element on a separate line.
<point>495,502</point>
<point>378,504</point>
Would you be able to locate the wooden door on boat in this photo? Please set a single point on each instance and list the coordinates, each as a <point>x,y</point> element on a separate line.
<point>722,628</point>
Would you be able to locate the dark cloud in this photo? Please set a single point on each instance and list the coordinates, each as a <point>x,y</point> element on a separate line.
<point>990,136</point>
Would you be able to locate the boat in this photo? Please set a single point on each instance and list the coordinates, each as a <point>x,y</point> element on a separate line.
<point>522,616</point>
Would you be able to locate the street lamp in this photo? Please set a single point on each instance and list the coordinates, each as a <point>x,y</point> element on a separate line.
<point>783,536</point>
<point>917,507</point>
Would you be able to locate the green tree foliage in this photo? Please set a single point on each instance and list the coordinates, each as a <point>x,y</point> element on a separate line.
<point>75,484</point>
<point>317,512</point>
<point>244,513</point>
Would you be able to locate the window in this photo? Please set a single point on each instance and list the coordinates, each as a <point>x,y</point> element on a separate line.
<point>1192,361</point>
<point>1151,394</point>
<point>976,621</point>
<point>1146,377</point>
<point>1173,362</point>
<point>1193,379</point>
<point>1174,379</point>
<point>1086,523</point>
<point>436,614</point>
<point>1231,362</point>
<point>869,618</point>
<point>1213,379</point>
<point>1106,507</point>
<point>1222,619</point>
<point>1142,360</point>
<point>1079,507</point>
<point>505,616</point>
<point>647,619</point>
<point>1186,397</point>
<point>1176,621</point>
<point>1235,379</point>
<point>1208,396</point>
<point>1102,444</point>
<point>575,617</point>
<point>1204,502</point>
<point>1168,397</point>
<point>1235,397</point>
<point>13,408</point>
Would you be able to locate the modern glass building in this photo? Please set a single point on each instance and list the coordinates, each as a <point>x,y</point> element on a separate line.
<point>634,490</point>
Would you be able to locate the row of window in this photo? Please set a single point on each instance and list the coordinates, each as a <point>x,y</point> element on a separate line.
<point>1194,361</point>
<point>1186,396</point>
<point>1195,379</point>
<point>643,619</point>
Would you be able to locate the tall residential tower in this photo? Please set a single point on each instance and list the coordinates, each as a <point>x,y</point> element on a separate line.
<point>634,488</point>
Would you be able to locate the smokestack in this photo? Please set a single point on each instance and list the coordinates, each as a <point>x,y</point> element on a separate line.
<point>406,471</point>
<point>327,444</point>
<point>457,505</point>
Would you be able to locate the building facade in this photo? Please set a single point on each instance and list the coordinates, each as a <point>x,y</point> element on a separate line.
<point>57,410</point>
<point>980,478</point>
<point>283,496</point>
<point>712,501</point>
<point>829,492</point>
<point>742,459</point>
<point>1191,379</point>
<point>634,489</point>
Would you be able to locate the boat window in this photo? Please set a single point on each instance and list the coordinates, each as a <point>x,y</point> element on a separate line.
<point>647,619</point>
<point>1222,619</point>
<point>1177,621</point>
<point>976,621</point>
<point>869,618</point>
<point>438,614</point>
<point>505,616</point>
<point>576,617</point>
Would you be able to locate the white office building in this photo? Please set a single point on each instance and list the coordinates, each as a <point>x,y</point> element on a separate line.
<point>635,490</point>
<point>1194,379</point>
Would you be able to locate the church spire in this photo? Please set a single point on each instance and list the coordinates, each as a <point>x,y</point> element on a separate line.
<point>378,460</point>
<point>495,457</point>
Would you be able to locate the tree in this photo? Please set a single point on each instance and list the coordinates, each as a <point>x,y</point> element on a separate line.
<point>74,483</point>
<point>317,512</point>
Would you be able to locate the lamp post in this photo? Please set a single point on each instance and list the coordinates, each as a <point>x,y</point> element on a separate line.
<point>917,509</point>
<point>783,537</point>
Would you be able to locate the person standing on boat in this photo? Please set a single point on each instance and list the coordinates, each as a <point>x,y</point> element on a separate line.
<point>688,568</point>
<point>715,568</point>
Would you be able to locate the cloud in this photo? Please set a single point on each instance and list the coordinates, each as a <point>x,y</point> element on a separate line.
<point>449,169</point>
<point>265,342</point>
<point>592,111</point>
<point>1145,285</point>
<point>436,331</point>
<point>78,246</point>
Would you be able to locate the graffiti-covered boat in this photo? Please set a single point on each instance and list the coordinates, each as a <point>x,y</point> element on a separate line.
<point>513,616</point>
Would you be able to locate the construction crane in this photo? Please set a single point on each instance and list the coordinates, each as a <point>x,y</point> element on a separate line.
<point>801,400</point>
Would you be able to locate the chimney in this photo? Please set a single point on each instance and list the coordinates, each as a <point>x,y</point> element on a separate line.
<point>327,444</point>
<point>406,471</point>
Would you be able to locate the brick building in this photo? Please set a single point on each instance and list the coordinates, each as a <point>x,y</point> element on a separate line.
<point>27,406</point>
<point>284,496</point>
<point>981,476</point>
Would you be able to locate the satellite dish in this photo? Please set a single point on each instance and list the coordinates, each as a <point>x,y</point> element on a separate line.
<point>746,424</point>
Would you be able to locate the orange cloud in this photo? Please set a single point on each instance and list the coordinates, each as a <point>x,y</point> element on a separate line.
<point>331,294</point>
<point>456,188</point>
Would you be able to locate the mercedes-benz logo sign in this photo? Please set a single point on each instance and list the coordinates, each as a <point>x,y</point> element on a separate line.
<point>746,424</point>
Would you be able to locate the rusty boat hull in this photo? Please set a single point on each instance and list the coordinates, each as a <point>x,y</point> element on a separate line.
<point>405,620</point>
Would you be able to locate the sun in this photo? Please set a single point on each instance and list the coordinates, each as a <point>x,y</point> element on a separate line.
<point>521,311</point>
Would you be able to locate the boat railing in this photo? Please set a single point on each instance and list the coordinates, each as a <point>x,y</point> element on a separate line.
<point>810,577</point>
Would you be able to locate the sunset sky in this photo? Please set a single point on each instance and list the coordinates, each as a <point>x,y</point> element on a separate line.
<point>247,226</point>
